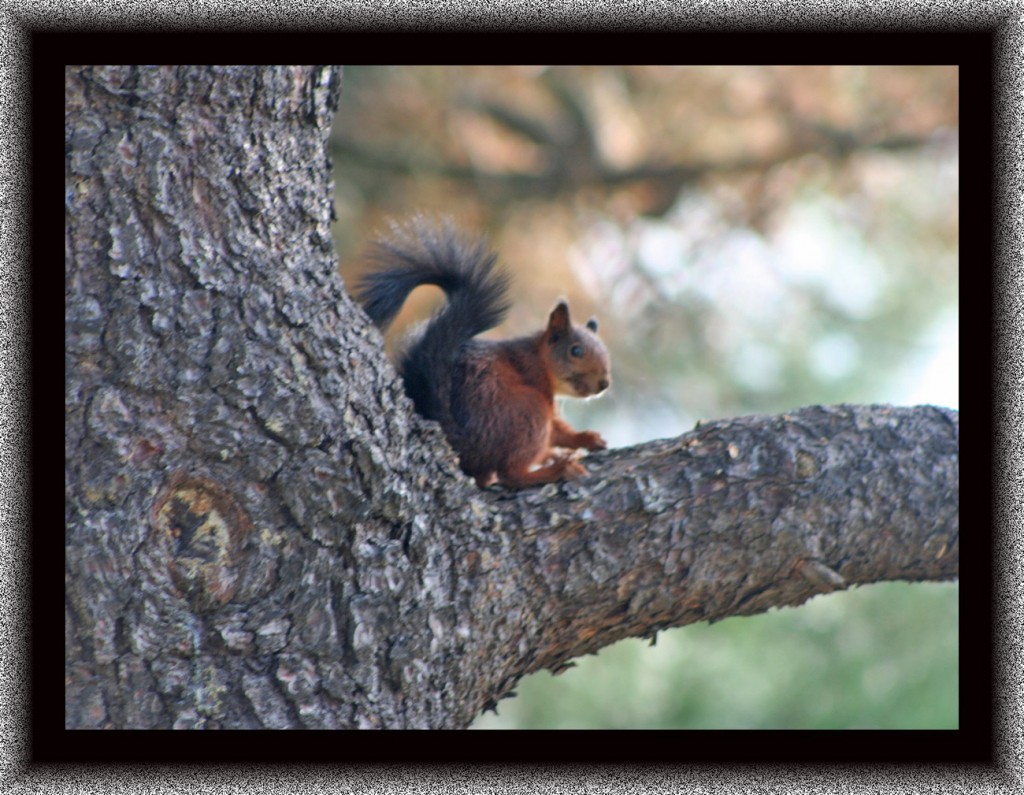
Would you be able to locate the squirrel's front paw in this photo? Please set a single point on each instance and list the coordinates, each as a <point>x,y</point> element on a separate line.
<point>592,440</point>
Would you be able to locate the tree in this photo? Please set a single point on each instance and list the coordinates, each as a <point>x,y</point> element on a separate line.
<point>261,532</point>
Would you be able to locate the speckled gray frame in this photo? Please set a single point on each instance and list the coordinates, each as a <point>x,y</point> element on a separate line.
<point>15,706</point>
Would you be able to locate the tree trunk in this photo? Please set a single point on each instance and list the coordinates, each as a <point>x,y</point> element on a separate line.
<point>260,531</point>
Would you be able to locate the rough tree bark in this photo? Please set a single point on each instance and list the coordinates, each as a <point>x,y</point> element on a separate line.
<point>261,533</point>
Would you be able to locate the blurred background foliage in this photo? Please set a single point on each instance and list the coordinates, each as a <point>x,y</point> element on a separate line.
<point>752,239</point>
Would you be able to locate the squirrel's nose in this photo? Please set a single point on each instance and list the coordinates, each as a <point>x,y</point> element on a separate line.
<point>603,384</point>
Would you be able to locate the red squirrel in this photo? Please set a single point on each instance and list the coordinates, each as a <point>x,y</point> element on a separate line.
<point>495,400</point>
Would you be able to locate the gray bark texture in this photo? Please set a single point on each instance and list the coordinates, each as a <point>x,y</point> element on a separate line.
<point>260,533</point>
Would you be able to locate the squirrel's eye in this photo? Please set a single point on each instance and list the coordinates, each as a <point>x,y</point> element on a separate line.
<point>576,351</point>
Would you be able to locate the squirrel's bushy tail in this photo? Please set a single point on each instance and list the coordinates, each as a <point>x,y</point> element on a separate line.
<point>425,251</point>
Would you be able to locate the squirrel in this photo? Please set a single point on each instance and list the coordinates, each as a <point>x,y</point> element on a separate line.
<point>495,400</point>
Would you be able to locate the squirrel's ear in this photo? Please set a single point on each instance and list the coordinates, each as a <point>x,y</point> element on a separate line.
<point>559,322</point>
<point>592,324</point>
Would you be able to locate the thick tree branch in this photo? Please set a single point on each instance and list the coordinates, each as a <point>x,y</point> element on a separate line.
<point>732,519</point>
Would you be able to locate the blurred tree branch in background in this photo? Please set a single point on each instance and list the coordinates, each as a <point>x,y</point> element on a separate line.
<point>576,165</point>
<point>517,134</point>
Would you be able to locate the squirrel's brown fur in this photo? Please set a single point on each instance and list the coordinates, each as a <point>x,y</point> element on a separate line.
<point>495,400</point>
